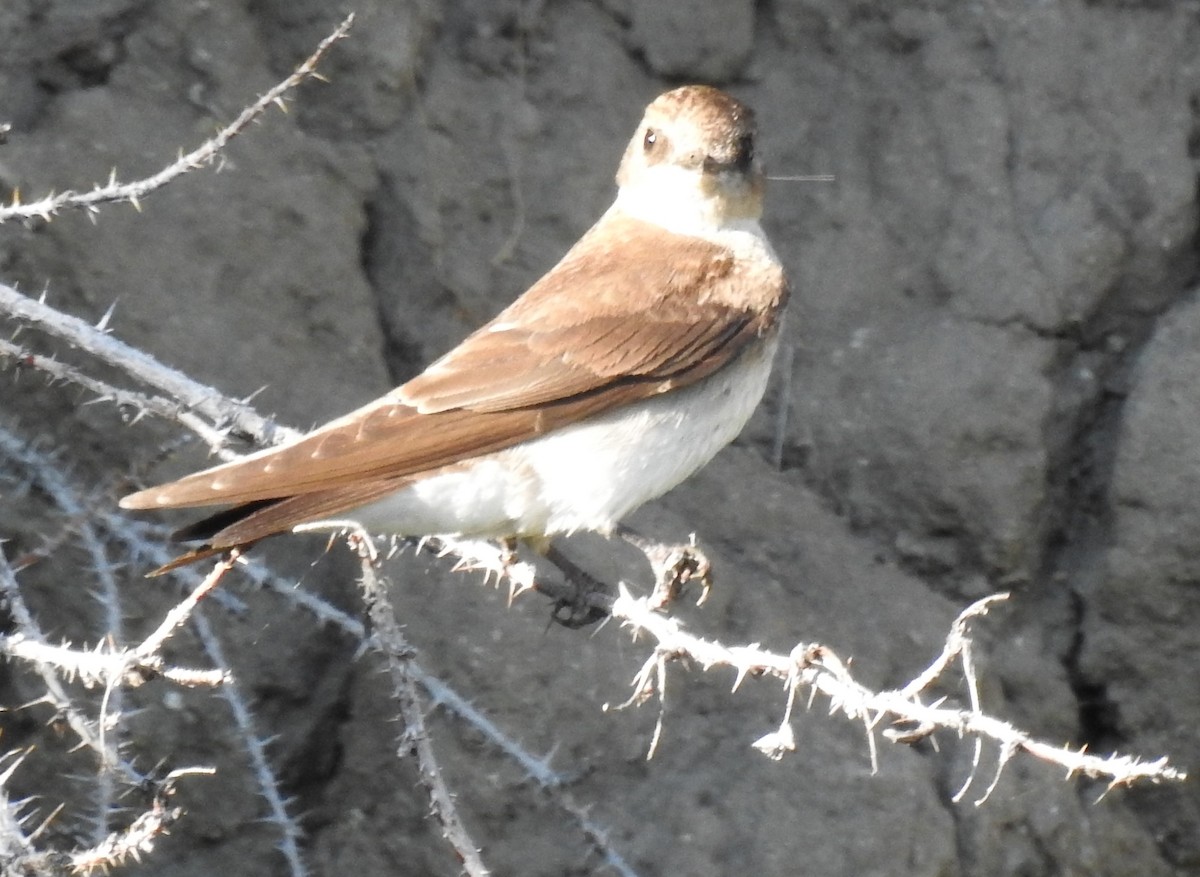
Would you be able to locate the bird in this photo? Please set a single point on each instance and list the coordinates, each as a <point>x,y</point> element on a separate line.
<point>614,377</point>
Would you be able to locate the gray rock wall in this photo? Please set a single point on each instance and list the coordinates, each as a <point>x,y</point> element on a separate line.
<point>993,386</point>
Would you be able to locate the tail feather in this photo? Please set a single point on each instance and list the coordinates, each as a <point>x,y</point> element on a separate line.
<point>207,530</point>
<point>243,525</point>
<point>194,556</point>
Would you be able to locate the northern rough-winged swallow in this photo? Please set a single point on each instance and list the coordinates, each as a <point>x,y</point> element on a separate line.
<point>613,378</point>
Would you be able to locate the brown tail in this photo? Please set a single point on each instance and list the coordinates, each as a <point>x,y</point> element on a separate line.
<point>194,556</point>
<point>204,530</point>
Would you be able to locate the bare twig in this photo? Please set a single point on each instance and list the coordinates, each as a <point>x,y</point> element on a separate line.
<point>494,560</point>
<point>103,665</point>
<point>399,656</point>
<point>95,340</point>
<point>106,664</point>
<point>139,403</point>
<point>116,667</point>
<point>119,847</point>
<point>819,669</point>
<point>88,730</point>
<point>116,192</point>
<point>150,646</point>
<point>536,768</point>
<point>256,748</point>
<point>957,642</point>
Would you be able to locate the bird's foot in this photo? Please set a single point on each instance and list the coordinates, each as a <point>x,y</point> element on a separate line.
<point>674,567</point>
<point>587,600</point>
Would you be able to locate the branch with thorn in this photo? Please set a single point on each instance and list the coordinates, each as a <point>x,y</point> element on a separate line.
<point>199,408</point>
<point>139,837</point>
<point>115,192</point>
<point>819,670</point>
<point>399,657</point>
<point>117,668</point>
<point>106,664</point>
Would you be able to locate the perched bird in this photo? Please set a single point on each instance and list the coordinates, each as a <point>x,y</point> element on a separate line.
<point>613,378</point>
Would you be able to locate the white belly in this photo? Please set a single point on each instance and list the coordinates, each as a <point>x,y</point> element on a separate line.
<point>582,477</point>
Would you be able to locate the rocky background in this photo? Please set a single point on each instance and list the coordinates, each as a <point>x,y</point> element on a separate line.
<point>990,382</point>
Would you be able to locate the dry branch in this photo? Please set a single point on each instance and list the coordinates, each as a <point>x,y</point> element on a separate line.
<point>129,844</point>
<point>114,192</point>
<point>818,668</point>
<point>415,738</point>
<point>184,394</point>
<point>208,414</point>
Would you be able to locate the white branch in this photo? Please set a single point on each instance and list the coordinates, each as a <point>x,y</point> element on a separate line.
<point>401,664</point>
<point>129,844</point>
<point>132,193</point>
<point>819,669</point>
<point>190,395</point>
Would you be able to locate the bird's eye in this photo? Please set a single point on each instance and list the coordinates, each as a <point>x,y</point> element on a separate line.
<point>651,140</point>
<point>745,149</point>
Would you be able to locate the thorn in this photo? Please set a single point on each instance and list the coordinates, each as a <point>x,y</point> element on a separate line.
<point>102,326</point>
<point>46,823</point>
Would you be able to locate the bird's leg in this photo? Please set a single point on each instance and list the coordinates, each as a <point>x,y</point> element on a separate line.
<point>674,566</point>
<point>509,547</point>
<point>581,608</point>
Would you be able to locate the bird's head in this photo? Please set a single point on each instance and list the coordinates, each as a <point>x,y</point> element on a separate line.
<point>692,162</point>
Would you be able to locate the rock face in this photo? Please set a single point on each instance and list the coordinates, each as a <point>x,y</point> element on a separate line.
<point>991,384</point>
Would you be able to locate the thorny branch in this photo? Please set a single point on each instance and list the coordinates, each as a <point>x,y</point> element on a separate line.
<point>818,669</point>
<point>146,540</point>
<point>89,732</point>
<point>130,400</point>
<point>415,737</point>
<point>186,395</point>
<point>21,855</point>
<point>111,669</point>
<point>204,412</point>
<point>121,846</point>
<point>256,748</point>
<point>105,664</point>
<point>116,192</point>
<point>130,666</point>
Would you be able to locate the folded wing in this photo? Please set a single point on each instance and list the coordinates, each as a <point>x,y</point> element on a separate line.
<point>598,331</point>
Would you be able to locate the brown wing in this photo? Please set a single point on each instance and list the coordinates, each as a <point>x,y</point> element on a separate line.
<point>630,312</point>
